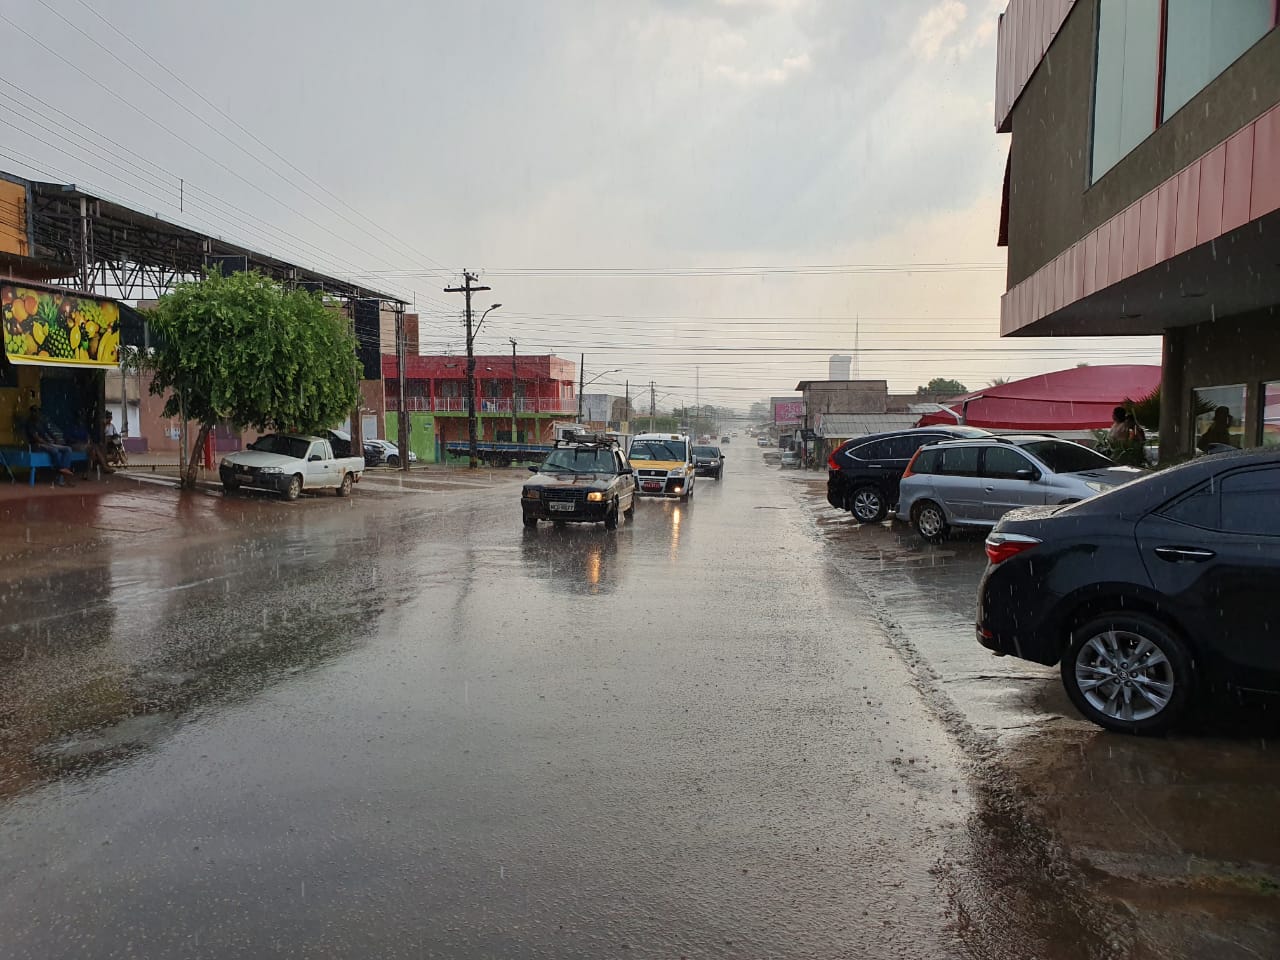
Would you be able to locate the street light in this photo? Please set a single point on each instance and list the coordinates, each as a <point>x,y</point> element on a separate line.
<point>584,385</point>
<point>471,378</point>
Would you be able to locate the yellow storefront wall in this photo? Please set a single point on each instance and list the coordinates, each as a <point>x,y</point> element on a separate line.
<point>13,219</point>
<point>14,403</point>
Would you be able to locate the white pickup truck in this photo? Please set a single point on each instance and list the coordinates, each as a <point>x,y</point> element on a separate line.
<point>289,464</point>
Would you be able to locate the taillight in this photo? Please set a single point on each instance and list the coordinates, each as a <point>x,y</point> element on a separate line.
<point>1002,546</point>
<point>831,463</point>
<point>911,463</point>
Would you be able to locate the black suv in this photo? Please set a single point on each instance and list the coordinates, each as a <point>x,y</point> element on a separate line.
<point>1146,594</point>
<point>863,473</point>
<point>585,479</point>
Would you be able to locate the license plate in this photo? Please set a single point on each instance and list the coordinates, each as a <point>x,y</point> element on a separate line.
<point>561,506</point>
<point>652,485</point>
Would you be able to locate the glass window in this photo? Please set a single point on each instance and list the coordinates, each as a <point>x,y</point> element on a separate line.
<point>962,461</point>
<point>1003,463</point>
<point>902,448</point>
<point>876,450</point>
<point>1249,502</point>
<point>1271,414</point>
<point>1124,97</point>
<point>1063,456</point>
<point>1219,416</point>
<point>1203,38</point>
<point>926,462</point>
<point>1198,508</point>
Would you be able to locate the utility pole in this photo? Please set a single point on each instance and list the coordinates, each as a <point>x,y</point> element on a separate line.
<point>513,390</point>
<point>652,404</point>
<point>467,289</point>
<point>626,408</point>
<point>402,421</point>
<point>582,373</point>
<point>697,398</point>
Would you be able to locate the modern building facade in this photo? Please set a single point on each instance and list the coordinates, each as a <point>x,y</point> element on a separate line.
<point>540,390</point>
<point>1142,194</point>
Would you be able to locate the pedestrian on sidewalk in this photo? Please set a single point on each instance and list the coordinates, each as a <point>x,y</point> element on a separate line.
<point>40,437</point>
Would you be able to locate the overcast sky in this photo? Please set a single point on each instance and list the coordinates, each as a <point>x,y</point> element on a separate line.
<point>648,182</point>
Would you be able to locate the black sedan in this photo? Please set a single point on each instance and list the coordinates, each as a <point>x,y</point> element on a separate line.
<point>1146,595</point>
<point>708,461</point>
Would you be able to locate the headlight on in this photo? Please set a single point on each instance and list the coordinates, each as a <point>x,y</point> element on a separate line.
<point>532,494</point>
<point>595,496</point>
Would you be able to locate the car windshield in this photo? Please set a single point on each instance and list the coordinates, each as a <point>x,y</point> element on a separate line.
<point>294,447</point>
<point>1062,456</point>
<point>658,450</point>
<point>578,460</point>
<point>706,452</point>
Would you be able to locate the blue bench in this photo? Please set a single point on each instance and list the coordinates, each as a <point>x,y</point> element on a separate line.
<point>24,458</point>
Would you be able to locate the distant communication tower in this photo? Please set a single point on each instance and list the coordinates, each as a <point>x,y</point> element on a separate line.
<point>838,366</point>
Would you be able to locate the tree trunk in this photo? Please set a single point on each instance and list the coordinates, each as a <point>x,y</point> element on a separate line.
<point>197,451</point>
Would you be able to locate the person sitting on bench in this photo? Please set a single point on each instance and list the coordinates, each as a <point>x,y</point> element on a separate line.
<point>79,439</point>
<point>40,437</point>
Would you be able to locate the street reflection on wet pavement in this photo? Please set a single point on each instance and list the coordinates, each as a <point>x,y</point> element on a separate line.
<point>735,727</point>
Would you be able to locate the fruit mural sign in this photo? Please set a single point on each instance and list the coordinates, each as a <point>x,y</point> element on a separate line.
<point>53,327</point>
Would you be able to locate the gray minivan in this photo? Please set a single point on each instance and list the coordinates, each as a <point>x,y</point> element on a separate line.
<point>976,482</point>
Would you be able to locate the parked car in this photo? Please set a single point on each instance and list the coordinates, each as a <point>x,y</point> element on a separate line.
<point>973,483</point>
<point>762,441</point>
<point>708,461</point>
<point>390,452</point>
<point>724,441</point>
<point>585,479</point>
<point>289,464</point>
<point>1148,595</point>
<point>790,458</point>
<point>863,473</point>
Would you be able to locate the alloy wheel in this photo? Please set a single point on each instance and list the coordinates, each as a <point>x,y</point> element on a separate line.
<point>1124,676</point>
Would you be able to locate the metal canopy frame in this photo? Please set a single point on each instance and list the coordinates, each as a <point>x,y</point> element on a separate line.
<point>96,245</point>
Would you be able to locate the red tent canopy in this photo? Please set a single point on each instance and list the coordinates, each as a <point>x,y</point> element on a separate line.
<point>1081,398</point>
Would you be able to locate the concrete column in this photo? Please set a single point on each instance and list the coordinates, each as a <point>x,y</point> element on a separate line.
<point>1175,426</point>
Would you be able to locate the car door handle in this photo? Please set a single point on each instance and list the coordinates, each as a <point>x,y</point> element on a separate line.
<point>989,489</point>
<point>1184,554</point>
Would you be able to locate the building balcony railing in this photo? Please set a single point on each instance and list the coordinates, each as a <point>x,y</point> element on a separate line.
<point>483,405</point>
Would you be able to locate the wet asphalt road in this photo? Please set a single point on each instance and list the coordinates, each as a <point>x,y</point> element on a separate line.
<point>406,727</point>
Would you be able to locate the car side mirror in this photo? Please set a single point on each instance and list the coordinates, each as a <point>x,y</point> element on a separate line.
<point>314,458</point>
<point>532,468</point>
<point>1026,473</point>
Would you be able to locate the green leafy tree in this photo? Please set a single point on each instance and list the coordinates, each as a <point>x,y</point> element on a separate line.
<point>941,385</point>
<point>242,349</point>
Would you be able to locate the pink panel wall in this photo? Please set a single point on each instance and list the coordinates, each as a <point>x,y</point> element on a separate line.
<point>1132,218</point>
<point>1148,208</point>
<point>1166,220</point>
<point>1265,195</point>
<point>1238,183</point>
<point>1213,172</point>
<point>1188,207</point>
<point>1027,29</point>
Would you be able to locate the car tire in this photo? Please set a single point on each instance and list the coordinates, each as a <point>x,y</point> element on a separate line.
<point>1155,668</point>
<point>631,510</point>
<point>930,521</point>
<point>867,504</point>
<point>393,461</point>
<point>611,518</point>
<point>295,487</point>
<point>530,522</point>
<point>229,488</point>
<point>344,488</point>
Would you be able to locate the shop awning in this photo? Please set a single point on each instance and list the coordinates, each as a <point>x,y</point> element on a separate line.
<point>1081,398</point>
